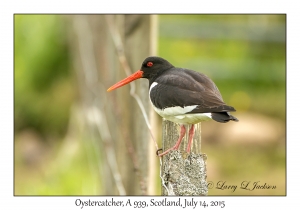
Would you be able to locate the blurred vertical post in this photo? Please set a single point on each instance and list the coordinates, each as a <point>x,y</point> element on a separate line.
<point>106,49</point>
<point>183,174</point>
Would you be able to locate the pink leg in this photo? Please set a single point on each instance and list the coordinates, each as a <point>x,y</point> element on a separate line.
<point>176,146</point>
<point>191,135</point>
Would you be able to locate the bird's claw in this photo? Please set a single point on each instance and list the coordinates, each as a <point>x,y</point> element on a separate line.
<point>157,151</point>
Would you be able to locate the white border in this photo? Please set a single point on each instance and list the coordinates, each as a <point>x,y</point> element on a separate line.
<point>8,8</point>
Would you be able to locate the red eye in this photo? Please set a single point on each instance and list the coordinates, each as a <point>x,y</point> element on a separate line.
<point>149,64</point>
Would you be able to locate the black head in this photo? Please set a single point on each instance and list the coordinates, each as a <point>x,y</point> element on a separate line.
<point>153,66</point>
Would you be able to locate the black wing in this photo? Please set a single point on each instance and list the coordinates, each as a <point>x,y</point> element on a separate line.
<point>183,87</point>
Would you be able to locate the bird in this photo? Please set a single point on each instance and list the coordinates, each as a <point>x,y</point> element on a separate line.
<point>181,95</point>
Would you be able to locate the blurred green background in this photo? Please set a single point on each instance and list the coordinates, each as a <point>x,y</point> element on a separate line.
<point>245,55</point>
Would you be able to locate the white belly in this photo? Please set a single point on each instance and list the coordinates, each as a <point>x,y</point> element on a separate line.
<point>177,115</point>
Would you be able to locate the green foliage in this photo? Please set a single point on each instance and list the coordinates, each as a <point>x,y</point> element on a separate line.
<point>42,82</point>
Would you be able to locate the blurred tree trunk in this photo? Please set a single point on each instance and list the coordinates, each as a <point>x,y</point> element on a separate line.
<point>114,119</point>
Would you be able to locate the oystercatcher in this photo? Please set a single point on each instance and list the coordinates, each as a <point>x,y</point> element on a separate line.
<point>181,95</point>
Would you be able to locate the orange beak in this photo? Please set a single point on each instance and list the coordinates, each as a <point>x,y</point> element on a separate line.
<point>127,80</point>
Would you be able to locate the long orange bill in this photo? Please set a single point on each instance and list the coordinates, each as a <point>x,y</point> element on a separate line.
<point>127,80</point>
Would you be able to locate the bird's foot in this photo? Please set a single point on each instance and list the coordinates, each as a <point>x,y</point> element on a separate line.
<point>165,152</point>
<point>176,146</point>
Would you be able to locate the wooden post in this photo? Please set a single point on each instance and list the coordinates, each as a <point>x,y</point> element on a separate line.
<point>183,174</point>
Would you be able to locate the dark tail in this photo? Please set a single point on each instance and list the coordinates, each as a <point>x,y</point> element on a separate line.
<point>223,117</point>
